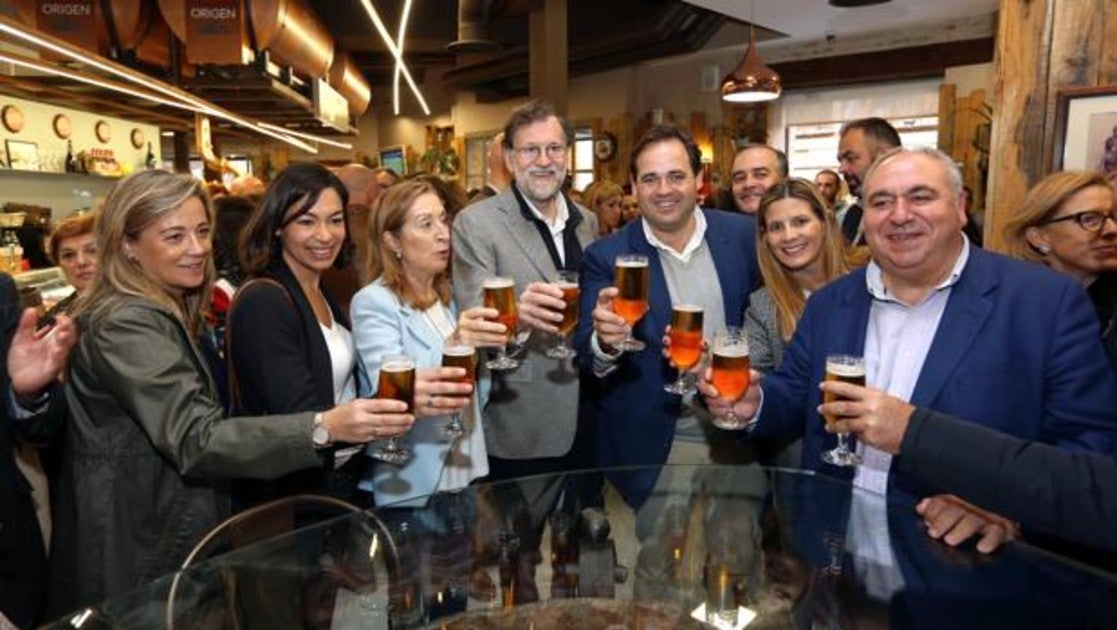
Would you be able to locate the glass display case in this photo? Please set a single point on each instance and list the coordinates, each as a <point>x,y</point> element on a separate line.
<point>720,546</point>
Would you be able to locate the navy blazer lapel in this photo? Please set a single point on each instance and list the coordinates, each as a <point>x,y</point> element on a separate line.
<point>320,364</point>
<point>967,310</point>
<point>734,286</point>
<point>849,321</point>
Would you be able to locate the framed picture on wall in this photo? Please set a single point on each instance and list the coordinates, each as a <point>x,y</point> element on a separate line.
<point>22,155</point>
<point>1086,130</point>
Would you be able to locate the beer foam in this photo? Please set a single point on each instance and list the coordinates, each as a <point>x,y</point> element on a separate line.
<point>458,350</point>
<point>687,308</point>
<point>733,352</point>
<point>845,369</point>
<point>498,283</point>
<point>632,263</point>
<point>398,365</point>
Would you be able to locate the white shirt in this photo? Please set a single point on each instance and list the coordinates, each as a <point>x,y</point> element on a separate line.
<point>343,355</point>
<point>691,245</point>
<point>897,341</point>
<point>556,227</point>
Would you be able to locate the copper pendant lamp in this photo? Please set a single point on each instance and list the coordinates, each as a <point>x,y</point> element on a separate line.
<point>751,81</point>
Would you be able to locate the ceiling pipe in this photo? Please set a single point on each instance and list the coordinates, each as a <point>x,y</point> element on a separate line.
<point>473,28</point>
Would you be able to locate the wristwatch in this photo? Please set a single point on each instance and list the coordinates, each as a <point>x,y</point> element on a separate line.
<point>321,435</point>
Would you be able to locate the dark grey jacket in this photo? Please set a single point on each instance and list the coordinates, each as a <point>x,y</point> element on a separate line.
<point>142,451</point>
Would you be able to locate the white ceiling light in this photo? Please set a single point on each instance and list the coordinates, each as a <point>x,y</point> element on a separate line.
<point>396,52</point>
<point>400,39</point>
<point>184,98</point>
<point>305,136</point>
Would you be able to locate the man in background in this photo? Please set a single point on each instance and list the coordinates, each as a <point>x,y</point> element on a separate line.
<point>755,169</point>
<point>363,187</point>
<point>829,184</point>
<point>497,175</point>
<point>861,142</point>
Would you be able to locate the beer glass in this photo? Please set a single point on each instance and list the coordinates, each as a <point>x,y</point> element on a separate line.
<point>686,345</point>
<point>568,282</point>
<point>397,382</point>
<point>457,354</point>
<point>730,371</point>
<point>631,280</point>
<point>500,293</point>
<point>848,369</point>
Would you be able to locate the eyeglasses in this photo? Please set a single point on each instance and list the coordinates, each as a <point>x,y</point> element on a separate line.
<point>1089,220</point>
<point>532,152</point>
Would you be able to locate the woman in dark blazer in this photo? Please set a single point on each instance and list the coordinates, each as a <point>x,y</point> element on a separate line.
<point>288,342</point>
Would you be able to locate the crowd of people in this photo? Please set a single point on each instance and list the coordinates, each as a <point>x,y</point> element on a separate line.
<point>218,353</point>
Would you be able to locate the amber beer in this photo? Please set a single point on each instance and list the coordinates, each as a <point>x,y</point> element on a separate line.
<point>686,335</point>
<point>632,286</point>
<point>462,356</point>
<point>500,293</point>
<point>731,371</point>
<point>844,368</point>
<point>570,295</point>
<point>397,381</point>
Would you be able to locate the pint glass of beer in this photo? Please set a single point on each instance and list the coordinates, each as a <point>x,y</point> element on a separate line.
<point>456,354</point>
<point>397,382</point>
<point>631,280</point>
<point>568,282</point>
<point>500,293</point>
<point>686,345</point>
<point>848,369</point>
<point>730,371</point>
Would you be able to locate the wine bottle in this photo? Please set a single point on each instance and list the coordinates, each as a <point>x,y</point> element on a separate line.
<point>71,165</point>
<point>149,161</point>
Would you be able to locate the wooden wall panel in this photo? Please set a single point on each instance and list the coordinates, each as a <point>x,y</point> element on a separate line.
<point>1042,47</point>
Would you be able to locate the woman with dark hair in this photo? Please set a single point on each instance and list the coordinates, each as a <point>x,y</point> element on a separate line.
<point>1067,221</point>
<point>800,249</point>
<point>289,345</point>
<point>146,430</point>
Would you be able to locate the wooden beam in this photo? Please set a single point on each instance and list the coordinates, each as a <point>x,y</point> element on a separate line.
<point>884,65</point>
<point>549,54</point>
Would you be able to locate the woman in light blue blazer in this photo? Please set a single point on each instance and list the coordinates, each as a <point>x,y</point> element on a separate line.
<point>408,310</point>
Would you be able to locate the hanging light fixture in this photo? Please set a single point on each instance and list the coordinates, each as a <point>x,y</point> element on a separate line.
<point>751,81</point>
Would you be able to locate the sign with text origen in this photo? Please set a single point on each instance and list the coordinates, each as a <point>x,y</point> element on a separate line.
<point>214,31</point>
<point>69,20</point>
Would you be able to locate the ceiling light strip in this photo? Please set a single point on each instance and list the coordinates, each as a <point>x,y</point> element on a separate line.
<point>392,48</point>
<point>305,136</point>
<point>7,25</point>
<point>400,40</point>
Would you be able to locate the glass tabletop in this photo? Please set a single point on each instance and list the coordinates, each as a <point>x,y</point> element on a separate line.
<point>716,546</point>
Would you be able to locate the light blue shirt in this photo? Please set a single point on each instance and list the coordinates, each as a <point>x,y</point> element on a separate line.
<point>897,341</point>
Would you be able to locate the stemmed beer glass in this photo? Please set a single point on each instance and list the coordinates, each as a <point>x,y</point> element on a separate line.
<point>500,293</point>
<point>730,372</point>
<point>397,382</point>
<point>686,345</point>
<point>568,282</point>
<point>848,369</point>
<point>458,354</point>
<point>631,280</point>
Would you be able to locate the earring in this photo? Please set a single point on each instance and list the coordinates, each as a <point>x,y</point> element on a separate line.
<point>399,255</point>
<point>1043,249</point>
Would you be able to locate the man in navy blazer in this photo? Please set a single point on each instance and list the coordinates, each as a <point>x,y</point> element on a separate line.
<point>1013,346</point>
<point>635,418</point>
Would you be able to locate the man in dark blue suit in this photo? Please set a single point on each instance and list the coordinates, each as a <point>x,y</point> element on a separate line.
<point>702,257</point>
<point>945,326</point>
<point>33,412</point>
